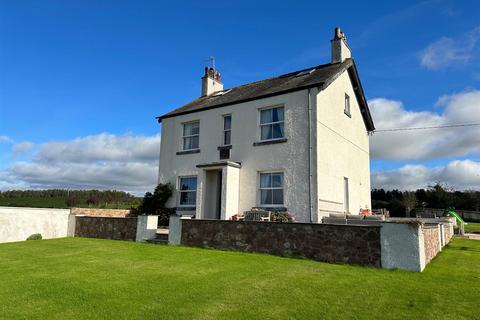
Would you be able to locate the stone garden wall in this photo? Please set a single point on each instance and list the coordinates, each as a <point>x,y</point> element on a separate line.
<point>323,242</point>
<point>106,228</point>
<point>96,212</point>
<point>432,242</point>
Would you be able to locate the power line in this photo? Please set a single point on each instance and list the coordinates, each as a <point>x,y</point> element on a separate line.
<point>430,127</point>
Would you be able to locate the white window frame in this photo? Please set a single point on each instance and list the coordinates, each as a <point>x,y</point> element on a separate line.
<point>190,136</point>
<point>226,130</point>
<point>260,124</point>
<point>347,106</point>
<point>271,188</point>
<point>179,184</point>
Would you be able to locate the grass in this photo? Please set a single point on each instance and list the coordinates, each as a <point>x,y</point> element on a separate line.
<point>75,278</point>
<point>472,227</point>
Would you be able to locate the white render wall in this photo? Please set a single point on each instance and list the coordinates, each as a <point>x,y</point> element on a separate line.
<point>17,224</point>
<point>290,157</point>
<point>342,150</point>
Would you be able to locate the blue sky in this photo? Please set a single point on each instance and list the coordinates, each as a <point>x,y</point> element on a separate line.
<point>75,71</point>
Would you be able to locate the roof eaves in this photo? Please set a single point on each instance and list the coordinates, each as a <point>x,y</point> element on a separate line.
<point>311,85</point>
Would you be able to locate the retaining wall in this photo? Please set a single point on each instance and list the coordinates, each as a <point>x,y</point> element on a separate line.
<point>330,243</point>
<point>407,244</point>
<point>106,228</point>
<point>17,224</point>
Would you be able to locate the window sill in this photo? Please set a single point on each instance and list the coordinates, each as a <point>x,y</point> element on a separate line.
<point>272,208</point>
<point>226,147</point>
<point>188,151</point>
<point>266,142</point>
<point>186,208</point>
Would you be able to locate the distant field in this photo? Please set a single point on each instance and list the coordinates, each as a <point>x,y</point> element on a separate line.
<point>55,202</point>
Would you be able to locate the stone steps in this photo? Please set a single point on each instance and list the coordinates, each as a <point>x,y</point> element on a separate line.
<point>161,238</point>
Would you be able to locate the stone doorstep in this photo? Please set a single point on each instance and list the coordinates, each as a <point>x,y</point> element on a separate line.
<point>162,231</point>
<point>158,241</point>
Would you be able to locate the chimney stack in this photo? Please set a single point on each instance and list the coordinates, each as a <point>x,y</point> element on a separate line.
<point>340,49</point>
<point>211,82</point>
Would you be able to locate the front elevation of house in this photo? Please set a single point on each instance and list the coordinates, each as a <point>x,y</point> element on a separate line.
<point>297,143</point>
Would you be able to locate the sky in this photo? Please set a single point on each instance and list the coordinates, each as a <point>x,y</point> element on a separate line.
<point>81,82</point>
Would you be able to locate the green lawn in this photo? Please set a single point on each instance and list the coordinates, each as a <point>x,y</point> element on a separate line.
<point>472,227</point>
<point>76,278</point>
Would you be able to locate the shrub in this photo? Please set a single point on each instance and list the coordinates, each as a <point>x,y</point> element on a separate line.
<point>154,203</point>
<point>280,216</point>
<point>35,236</point>
<point>72,200</point>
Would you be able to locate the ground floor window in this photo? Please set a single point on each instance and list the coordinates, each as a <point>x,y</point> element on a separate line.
<point>188,191</point>
<point>271,188</point>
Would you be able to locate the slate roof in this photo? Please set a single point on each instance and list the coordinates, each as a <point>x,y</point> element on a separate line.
<point>321,77</point>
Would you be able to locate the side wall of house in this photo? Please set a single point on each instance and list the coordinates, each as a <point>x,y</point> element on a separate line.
<point>343,150</point>
<point>290,157</point>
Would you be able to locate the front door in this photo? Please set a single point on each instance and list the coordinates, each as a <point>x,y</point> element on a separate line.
<point>213,194</point>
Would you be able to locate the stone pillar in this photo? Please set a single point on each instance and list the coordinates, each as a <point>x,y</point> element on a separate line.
<point>199,206</point>
<point>71,225</point>
<point>230,191</point>
<point>175,229</point>
<point>402,246</point>
<point>146,228</point>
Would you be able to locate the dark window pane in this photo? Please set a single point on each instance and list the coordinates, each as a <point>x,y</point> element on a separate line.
<point>265,180</point>
<point>188,198</point>
<point>266,132</point>
<point>188,183</point>
<point>227,122</point>
<point>277,197</point>
<point>187,144</point>
<point>194,142</point>
<point>266,196</point>
<point>195,128</point>
<point>266,116</point>
<point>277,114</point>
<point>277,180</point>
<point>226,137</point>
<point>277,131</point>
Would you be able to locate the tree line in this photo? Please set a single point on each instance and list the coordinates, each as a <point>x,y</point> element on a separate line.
<point>438,196</point>
<point>71,198</point>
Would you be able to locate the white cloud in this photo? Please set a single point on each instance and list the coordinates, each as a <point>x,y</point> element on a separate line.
<point>21,148</point>
<point>5,139</point>
<point>101,147</point>
<point>447,51</point>
<point>426,144</point>
<point>460,174</point>
<point>103,161</point>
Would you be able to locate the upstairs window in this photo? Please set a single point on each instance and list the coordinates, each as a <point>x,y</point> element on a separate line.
<point>271,189</point>
<point>347,105</point>
<point>188,191</point>
<point>272,124</point>
<point>191,135</point>
<point>227,130</point>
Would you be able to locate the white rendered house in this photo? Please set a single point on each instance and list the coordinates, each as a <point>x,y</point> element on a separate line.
<point>297,142</point>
